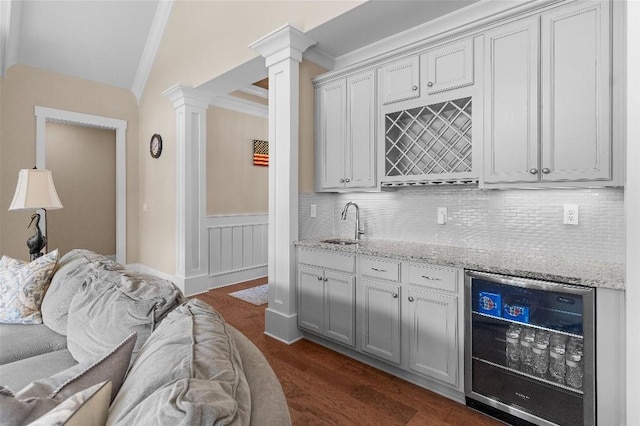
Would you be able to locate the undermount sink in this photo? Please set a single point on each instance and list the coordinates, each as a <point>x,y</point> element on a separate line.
<point>340,241</point>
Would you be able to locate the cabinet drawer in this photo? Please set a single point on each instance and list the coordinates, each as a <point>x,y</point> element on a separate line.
<point>327,259</point>
<point>380,268</point>
<point>434,277</point>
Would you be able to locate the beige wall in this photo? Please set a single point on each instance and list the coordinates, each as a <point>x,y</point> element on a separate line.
<point>83,163</point>
<point>202,40</point>
<point>234,184</point>
<point>22,89</point>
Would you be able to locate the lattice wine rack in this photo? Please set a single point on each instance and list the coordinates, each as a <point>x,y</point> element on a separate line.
<point>429,143</point>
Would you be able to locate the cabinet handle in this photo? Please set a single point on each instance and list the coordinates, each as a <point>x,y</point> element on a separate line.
<point>395,295</point>
<point>430,84</point>
<point>414,88</point>
<point>431,278</point>
<point>347,180</point>
<point>325,280</point>
<point>341,180</point>
<point>411,299</point>
<point>546,170</point>
<point>379,270</point>
<point>533,171</point>
<point>319,278</point>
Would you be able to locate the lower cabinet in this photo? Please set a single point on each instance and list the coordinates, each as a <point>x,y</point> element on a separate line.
<point>380,313</point>
<point>326,303</point>
<point>432,320</point>
<point>405,315</point>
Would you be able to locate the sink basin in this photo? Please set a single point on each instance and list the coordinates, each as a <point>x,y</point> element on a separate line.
<point>340,241</point>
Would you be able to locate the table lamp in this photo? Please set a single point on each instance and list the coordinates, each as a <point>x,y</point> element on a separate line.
<point>35,190</point>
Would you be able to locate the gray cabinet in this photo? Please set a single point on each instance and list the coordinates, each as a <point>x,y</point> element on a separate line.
<point>345,133</point>
<point>380,312</point>
<point>569,100</point>
<point>400,80</point>
<point>326,294</point>
<point>433,334</point>
<point>448,67</point>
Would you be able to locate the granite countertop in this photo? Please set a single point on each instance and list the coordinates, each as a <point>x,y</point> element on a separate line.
<point>552,268</point>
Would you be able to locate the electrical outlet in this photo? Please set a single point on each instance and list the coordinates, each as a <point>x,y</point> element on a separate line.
<point>442,215</point>
<point>313,211</point>
<point>571,214</point>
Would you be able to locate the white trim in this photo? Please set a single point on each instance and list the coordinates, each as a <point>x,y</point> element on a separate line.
<point>10,19</point>
<point>245,106</point>
<point>151,47</point>
<point>139,267</point>
<point>256,91</point>
<point>473,18</point>
<point>237,276</point>
<point>44,115</point>
<point>286,42</point>
<point>320,57</point>
<point>236,220</point>
<point>632,211</point>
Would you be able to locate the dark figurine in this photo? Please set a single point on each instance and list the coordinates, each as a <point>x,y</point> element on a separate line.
<point>37,241</point>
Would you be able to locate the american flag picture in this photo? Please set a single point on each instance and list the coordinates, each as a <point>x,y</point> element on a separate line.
<point>260,153</point>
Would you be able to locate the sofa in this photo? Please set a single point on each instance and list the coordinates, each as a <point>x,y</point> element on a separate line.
<point>183,364</point>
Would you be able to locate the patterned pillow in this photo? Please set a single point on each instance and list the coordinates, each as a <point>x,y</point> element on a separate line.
<point>88,407</point>
<point>22,288</point>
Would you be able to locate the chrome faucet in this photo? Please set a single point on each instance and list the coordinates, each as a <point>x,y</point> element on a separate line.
<point>359,231</point>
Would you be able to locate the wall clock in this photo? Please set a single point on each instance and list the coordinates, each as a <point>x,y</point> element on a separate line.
<point>155,146</point>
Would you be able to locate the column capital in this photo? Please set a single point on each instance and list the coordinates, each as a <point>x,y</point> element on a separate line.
<point>185,95</point>
<point>286,42</point>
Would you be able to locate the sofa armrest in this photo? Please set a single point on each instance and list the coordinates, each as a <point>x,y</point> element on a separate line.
<point>268,403</point>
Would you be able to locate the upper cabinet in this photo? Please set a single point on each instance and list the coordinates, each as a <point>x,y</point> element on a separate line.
<point>448,67</point>
<point>554,127</point>
<point>400,80</point>
<point>345,133</point>
<point>534,100</point>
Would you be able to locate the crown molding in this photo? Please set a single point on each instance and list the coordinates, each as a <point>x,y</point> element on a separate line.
<point>256,91</point>
<point>240,105</point>
<point>184,95</point>
<point>151,47</point>
<point>10,18</point>
<point>320,57</point>
<point>283,43</point>
<point>466,20</point>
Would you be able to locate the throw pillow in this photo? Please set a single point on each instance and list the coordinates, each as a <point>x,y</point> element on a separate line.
<point>86,408</point>
<point>189,372</point>
<point>69,275</point>
<point>22,288</point>
<point>110,305</point>
<point>42,396</point>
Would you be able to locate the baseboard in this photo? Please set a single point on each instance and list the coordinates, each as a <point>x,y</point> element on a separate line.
<point>197,285</point>
<point>281,327</point>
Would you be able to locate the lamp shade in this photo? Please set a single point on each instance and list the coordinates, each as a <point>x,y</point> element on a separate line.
<point>35,190</point>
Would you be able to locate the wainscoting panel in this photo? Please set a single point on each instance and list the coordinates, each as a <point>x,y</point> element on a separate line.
<point>237,248</point>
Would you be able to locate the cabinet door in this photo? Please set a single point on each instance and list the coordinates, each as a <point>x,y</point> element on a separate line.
<point>339,307</point>
<point>360,161</point>
<point>433,335</point>
<point>330,141</point>
<point>448,67</point>
<point>381,319</point>
<point>576,98</point>
<point>310,298</point>
<point>401,80</point>
<point>511,103</point>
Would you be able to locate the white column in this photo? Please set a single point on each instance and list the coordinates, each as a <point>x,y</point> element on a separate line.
<point>192,274</point>
<point>282,50</point>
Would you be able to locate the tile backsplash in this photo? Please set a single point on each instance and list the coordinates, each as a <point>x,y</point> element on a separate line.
<point>513,220</point>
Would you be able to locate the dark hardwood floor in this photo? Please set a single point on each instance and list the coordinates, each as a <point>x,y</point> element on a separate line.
<point>325,388</point>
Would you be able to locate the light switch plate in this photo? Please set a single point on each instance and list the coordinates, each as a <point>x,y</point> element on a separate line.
<point>313,211</point>
<point>442,215</point>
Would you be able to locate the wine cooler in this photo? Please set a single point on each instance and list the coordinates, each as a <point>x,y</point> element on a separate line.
<point>529,350</point>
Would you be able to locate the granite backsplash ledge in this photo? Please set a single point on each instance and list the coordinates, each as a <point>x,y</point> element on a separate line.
<point>527,265</point>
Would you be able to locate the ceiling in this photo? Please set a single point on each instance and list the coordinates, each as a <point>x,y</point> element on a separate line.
<point>114,42</point>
